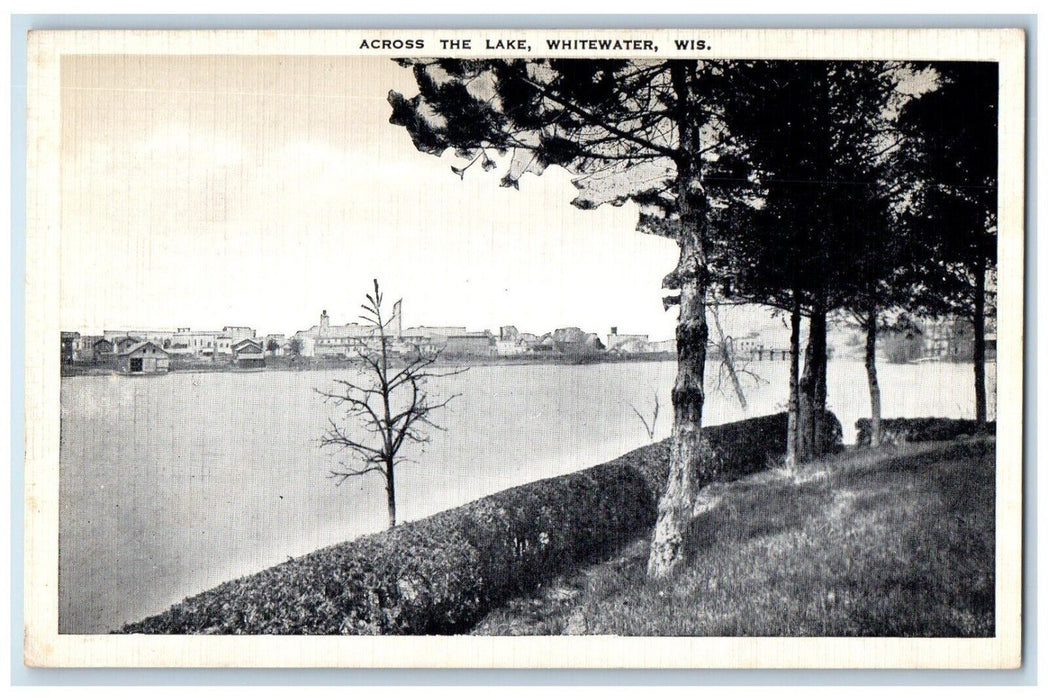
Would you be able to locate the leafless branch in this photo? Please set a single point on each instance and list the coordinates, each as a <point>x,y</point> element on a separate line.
<point>649,427</point>
<point>386,409</point>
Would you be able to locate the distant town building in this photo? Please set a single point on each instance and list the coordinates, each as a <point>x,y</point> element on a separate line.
<point>199,343</point>
<point>511,342</point>
<point>426,339</point>
<point>102,351</point>
<point>477,343</point>
<point>84,348</point>
<point>747,345</point>
<point>669,346</point>
<point>238,333</point>
<point>181,351</point>
<point>223,345</point>
<point>326,340</point>
<point>347,340</point>
<point>433,332</point>
<point>947,339</point>
<point>248,353</point>
<point>69,340</point>
<point>636,345</point>
<point>160,337</point>
<point>623,342</point>
<point>145,357</point>
<point>307,346</point>
<point>274,344</point>
<point>950,338</point>
<point>208,344</point>
<point>184,341</point>
<point>575,341</point>
<point>543,346</point>
<point>572,334</point>
<point>509,348</point>
<point>122,343</point>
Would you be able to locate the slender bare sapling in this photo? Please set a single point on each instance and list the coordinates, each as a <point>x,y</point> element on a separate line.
<point>387,408</point>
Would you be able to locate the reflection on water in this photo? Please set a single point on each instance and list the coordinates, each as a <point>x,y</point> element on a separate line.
<point>173,484</point>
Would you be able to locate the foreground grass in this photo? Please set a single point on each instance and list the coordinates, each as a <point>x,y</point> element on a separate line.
<point>863,544</point>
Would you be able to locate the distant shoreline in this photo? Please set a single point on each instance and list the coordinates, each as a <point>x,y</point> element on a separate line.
<point>313,364</point>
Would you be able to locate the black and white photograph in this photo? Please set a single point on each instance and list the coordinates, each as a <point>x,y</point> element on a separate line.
<point>534,348</point>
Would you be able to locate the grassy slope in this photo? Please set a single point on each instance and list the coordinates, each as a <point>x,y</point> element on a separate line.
<point>865,543</point>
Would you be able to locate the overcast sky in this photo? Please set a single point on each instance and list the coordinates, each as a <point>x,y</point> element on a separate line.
<point>212,191</point>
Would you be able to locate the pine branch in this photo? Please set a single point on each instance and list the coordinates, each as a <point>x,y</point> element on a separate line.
<point>596,121</point>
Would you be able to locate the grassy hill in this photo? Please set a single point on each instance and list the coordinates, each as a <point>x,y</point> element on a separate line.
<point>893,543</point>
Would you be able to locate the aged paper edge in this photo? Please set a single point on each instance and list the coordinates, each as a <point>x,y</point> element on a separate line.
<point>45,647</point>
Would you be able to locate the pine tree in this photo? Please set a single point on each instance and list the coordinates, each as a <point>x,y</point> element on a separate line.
<point>954,132</point>
<point>649,132</point>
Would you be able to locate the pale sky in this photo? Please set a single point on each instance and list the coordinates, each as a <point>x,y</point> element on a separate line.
<point>213,191</point>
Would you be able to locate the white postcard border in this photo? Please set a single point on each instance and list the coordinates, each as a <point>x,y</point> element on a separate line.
<point>44,647</point>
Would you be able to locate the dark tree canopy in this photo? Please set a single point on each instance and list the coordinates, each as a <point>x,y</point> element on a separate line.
<point>816,137</point>
<point>954,129</point>
<point>650,132</point>
<point>954,134</point>
<point>786,183</point>
<point>613,124</point>
<point>806,232</point>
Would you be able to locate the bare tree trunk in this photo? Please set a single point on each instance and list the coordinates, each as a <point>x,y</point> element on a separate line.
<point>979,346</point>
<point>871,376</point>
<point>688,466</point>
<point>821,391</point>
<point>686,461</point>
<point>805,408</point>
<point>391,496</point>
<point>388,437</point>
<point>813,388</point>
<point>793,425</point>
<point>727,356</point>
<point>358,403</point>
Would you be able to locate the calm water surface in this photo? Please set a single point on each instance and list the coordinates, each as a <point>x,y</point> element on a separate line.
<point>173,484</point>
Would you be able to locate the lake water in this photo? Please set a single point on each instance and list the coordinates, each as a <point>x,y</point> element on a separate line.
<point>173,484</point>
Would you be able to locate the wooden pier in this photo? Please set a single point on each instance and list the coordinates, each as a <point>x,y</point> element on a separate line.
<point>768,354</point>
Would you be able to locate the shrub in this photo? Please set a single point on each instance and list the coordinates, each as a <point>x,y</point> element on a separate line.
<point>899,431</point>
<point>834,436</point>
<point>441,574</point>
<point>747,446</point>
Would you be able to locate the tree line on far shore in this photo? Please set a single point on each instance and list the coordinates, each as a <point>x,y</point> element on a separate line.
<point>819,188</point>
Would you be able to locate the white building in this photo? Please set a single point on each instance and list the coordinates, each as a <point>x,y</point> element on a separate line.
<point>238,333</point>
<point>626,342</point>
<point>346,340</point>
<point>509,348</point>
<point>187,342</point>
<point>160,337</point>
<point>274,339</point>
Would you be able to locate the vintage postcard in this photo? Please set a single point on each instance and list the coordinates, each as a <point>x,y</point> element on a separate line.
<point>616,348</point>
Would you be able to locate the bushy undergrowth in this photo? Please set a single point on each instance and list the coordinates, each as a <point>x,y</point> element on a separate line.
<point>899,431</point>
<point>443,573</point>
<point>862,544</point>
